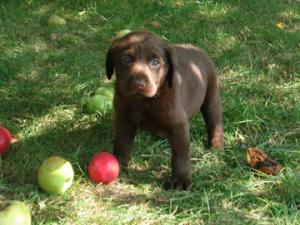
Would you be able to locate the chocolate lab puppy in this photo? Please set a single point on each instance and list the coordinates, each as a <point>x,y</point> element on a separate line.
<point>159,87</point>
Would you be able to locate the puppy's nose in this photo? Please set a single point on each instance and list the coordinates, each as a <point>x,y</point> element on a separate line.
<point>139,82</point>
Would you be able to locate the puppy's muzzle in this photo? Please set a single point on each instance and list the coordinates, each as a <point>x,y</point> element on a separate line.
<point>138,83</point>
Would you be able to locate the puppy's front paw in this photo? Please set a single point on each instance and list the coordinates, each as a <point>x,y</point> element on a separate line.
<point>178,183</point>
<point>123,158</point>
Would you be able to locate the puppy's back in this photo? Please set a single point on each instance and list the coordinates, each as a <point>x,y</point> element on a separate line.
<point>195,72</point>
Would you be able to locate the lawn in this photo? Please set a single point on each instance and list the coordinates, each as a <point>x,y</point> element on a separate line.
<point>47,73</point>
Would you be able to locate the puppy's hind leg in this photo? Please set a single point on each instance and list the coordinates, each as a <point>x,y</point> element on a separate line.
<point>212,113</point>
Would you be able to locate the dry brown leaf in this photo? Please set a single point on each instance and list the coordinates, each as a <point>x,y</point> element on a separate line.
<point>259,160</point>
<point>14,139</point>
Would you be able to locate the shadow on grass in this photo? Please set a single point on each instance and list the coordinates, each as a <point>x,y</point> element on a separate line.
<point>76,144</point>
<point>219,191</point>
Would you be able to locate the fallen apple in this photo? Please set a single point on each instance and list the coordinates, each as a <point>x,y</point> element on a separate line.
<point>56,21</point>
<point>122,33</point>
<point>107,92</point>
<point>98,103</point>
<point>5,139</point>
<point>55,175</point>
<point>103,168</point>
<point>14,213</point>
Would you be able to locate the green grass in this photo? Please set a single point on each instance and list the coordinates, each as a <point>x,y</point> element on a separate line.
<point>46,74</point>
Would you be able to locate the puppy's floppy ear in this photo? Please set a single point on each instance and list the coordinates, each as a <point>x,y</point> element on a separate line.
<point>109,63</point>
<point>171,63</point>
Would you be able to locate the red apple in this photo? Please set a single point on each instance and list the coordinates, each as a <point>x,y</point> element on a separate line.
<point>103,168</point>
<point>5,138</point>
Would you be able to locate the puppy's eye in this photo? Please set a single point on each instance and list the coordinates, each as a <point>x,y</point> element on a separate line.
<point>154,63</point>
<point>126,60</point>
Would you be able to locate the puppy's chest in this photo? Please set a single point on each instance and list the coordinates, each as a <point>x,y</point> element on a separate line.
<point>151,116</point>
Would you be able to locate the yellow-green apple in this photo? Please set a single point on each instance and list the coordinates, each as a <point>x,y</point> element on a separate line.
<point>55,175</point>
<point>14,213</point>
<point>55,20</point>
<point>122,33</point>
<point>99,103</point>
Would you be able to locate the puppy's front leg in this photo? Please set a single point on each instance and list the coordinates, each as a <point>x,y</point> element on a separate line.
<point>181,178</point>
<point>124,135</point>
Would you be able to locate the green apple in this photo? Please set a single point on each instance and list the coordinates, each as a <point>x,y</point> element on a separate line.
<point>14,213</point>
<point>55,175</point>
<point>56,21</point>
<point>107,92</point>
<point>122,33</point>
<point>99,103</point>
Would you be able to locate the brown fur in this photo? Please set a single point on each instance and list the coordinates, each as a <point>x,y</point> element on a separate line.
<point>159,87</point>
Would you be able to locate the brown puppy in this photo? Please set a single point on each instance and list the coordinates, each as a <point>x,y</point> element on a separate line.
<point>159,87</point>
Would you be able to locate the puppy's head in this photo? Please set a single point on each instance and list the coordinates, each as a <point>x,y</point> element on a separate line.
<point>142,63</point>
